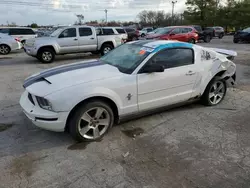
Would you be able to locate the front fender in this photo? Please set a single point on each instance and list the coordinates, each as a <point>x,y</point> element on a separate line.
<point>54,45</point>
<point>65,100</point>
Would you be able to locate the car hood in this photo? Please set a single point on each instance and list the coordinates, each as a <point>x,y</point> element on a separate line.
<point>58,78</point>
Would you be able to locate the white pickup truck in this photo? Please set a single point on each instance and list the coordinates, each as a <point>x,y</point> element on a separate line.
<point>74,39</point>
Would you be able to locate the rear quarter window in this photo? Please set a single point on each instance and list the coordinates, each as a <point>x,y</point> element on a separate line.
<point>17,31</point>
<point>120,31</point>
<point>108,31</point>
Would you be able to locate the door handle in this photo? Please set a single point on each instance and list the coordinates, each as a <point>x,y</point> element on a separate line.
<point>92,38</point>
<point>75,39</point>
<point>190,73</point>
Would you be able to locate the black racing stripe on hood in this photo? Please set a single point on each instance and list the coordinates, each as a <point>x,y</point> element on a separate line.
<point>54,71</point>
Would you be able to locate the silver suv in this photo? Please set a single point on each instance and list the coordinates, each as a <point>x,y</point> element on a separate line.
<point>74,39</point>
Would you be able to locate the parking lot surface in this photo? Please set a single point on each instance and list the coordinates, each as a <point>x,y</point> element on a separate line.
<point>187,147</point>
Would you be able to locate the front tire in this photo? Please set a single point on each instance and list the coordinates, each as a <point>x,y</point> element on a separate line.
<point>106,48</point>
<point>46,55</point>
<point>214,92</point>
<point>4,49</point>
<point>221,36</point>
<point>91,121</point>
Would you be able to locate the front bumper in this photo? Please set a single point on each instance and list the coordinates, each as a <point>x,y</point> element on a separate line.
<point>53,121</point>
<point>32,51</point>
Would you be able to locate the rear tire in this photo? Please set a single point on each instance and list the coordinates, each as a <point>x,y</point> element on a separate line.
<point>46,55</point>
<point>4,49</point>
<point>221,36</point>
<point>207,39</point>
<point>236,41</point>
<point>192,41</point>
<point>106,48</point>
<point>87,123</point>
<point>214,92</point>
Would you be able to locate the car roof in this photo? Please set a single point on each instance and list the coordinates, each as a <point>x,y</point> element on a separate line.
<point>161,44</point>
<point>15,28</point>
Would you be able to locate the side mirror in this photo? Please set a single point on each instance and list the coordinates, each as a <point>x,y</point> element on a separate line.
<point>150,68</point>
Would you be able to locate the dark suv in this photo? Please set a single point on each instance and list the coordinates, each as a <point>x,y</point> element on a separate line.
<point>205,35</point>
<point>133,34</point>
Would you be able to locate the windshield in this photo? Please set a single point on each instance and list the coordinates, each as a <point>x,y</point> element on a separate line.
<point>126,57</point>
<point>164,30</point>
<point>56,32</point>
<point>247,30</point>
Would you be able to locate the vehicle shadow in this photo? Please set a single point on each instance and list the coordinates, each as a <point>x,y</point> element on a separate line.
<point>21,136</point>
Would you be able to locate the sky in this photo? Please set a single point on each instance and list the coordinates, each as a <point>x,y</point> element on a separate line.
<point>63,12</point>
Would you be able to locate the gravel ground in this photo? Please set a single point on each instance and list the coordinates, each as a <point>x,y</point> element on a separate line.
<point>186,147</point>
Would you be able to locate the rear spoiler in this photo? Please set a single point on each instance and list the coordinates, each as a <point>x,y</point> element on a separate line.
<point>229,53</point>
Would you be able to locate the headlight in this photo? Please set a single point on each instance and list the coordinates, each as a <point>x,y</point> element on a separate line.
<point>44,103</point>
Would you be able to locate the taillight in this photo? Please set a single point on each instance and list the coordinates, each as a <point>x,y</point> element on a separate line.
<point>17,39</point>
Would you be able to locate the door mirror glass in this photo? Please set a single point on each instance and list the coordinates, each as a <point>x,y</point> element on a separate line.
<point>150,68</point>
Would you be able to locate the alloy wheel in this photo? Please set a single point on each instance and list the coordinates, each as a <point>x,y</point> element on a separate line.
<point>4,49</point>
<point>47,56</point>
<point>217,92</point>
<point>94,123</point>
<point>106,50</point>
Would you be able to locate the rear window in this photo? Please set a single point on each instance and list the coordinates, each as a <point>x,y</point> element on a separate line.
<point>85,31</point>
<point>107,31</point>
<point>120,31</point>
<point>20,31</point>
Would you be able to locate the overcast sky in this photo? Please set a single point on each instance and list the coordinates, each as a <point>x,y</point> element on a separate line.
<point>45,12</point>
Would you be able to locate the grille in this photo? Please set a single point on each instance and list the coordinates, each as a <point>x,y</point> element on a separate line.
<point>31,99</point>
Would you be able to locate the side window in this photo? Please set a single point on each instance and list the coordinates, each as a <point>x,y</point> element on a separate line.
<point>185,30</point>
<point>149,30</point>
<point>171,58</point>
<point>15,31</point>
<point>85,31</point>
<point>120,31</point>
<point>107,31</point>
<point>4,30</point>
<point>67,33</point>
<point>28,32</point>
<point>98,31</point>
<point>177,31</point>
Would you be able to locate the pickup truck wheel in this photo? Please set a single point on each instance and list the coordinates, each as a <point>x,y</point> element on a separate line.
<point>46,55</point>
<point>4,49</point>
<point>106,48</point>
<point>215,92</point>
<point>91,121</point>
<point>207,39</point>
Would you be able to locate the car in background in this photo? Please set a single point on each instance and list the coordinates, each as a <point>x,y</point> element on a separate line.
<point>113,31</point>
<point>133,34</point>
<point>242,36</point>
<point>73,39</point>
<point>154,31</point>
<point>23,33</point>
<point>146,30</point>
<point>8,44</point>
<point>180,33</point>
<point>205,35</point>
<point>87,98</point>
<point>219,32</point>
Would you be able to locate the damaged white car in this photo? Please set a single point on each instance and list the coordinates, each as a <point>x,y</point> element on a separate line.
<point>140,77</point>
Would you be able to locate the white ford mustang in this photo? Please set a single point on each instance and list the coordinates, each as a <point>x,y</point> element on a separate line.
<point>87,98</point>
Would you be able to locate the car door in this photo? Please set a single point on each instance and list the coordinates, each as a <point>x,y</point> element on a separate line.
<point>172,86</point>
<point>176,34</point>
<point>87,39</point>
<point>68,41</point>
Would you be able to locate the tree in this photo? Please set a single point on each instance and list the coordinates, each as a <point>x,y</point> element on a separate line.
<point>34,25</point>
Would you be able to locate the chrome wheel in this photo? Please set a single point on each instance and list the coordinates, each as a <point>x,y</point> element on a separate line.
<point>106,50</point>
<point>4,49</point>
<point>47,56</point>
<point>217,92</point>
<point>94,123</point>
